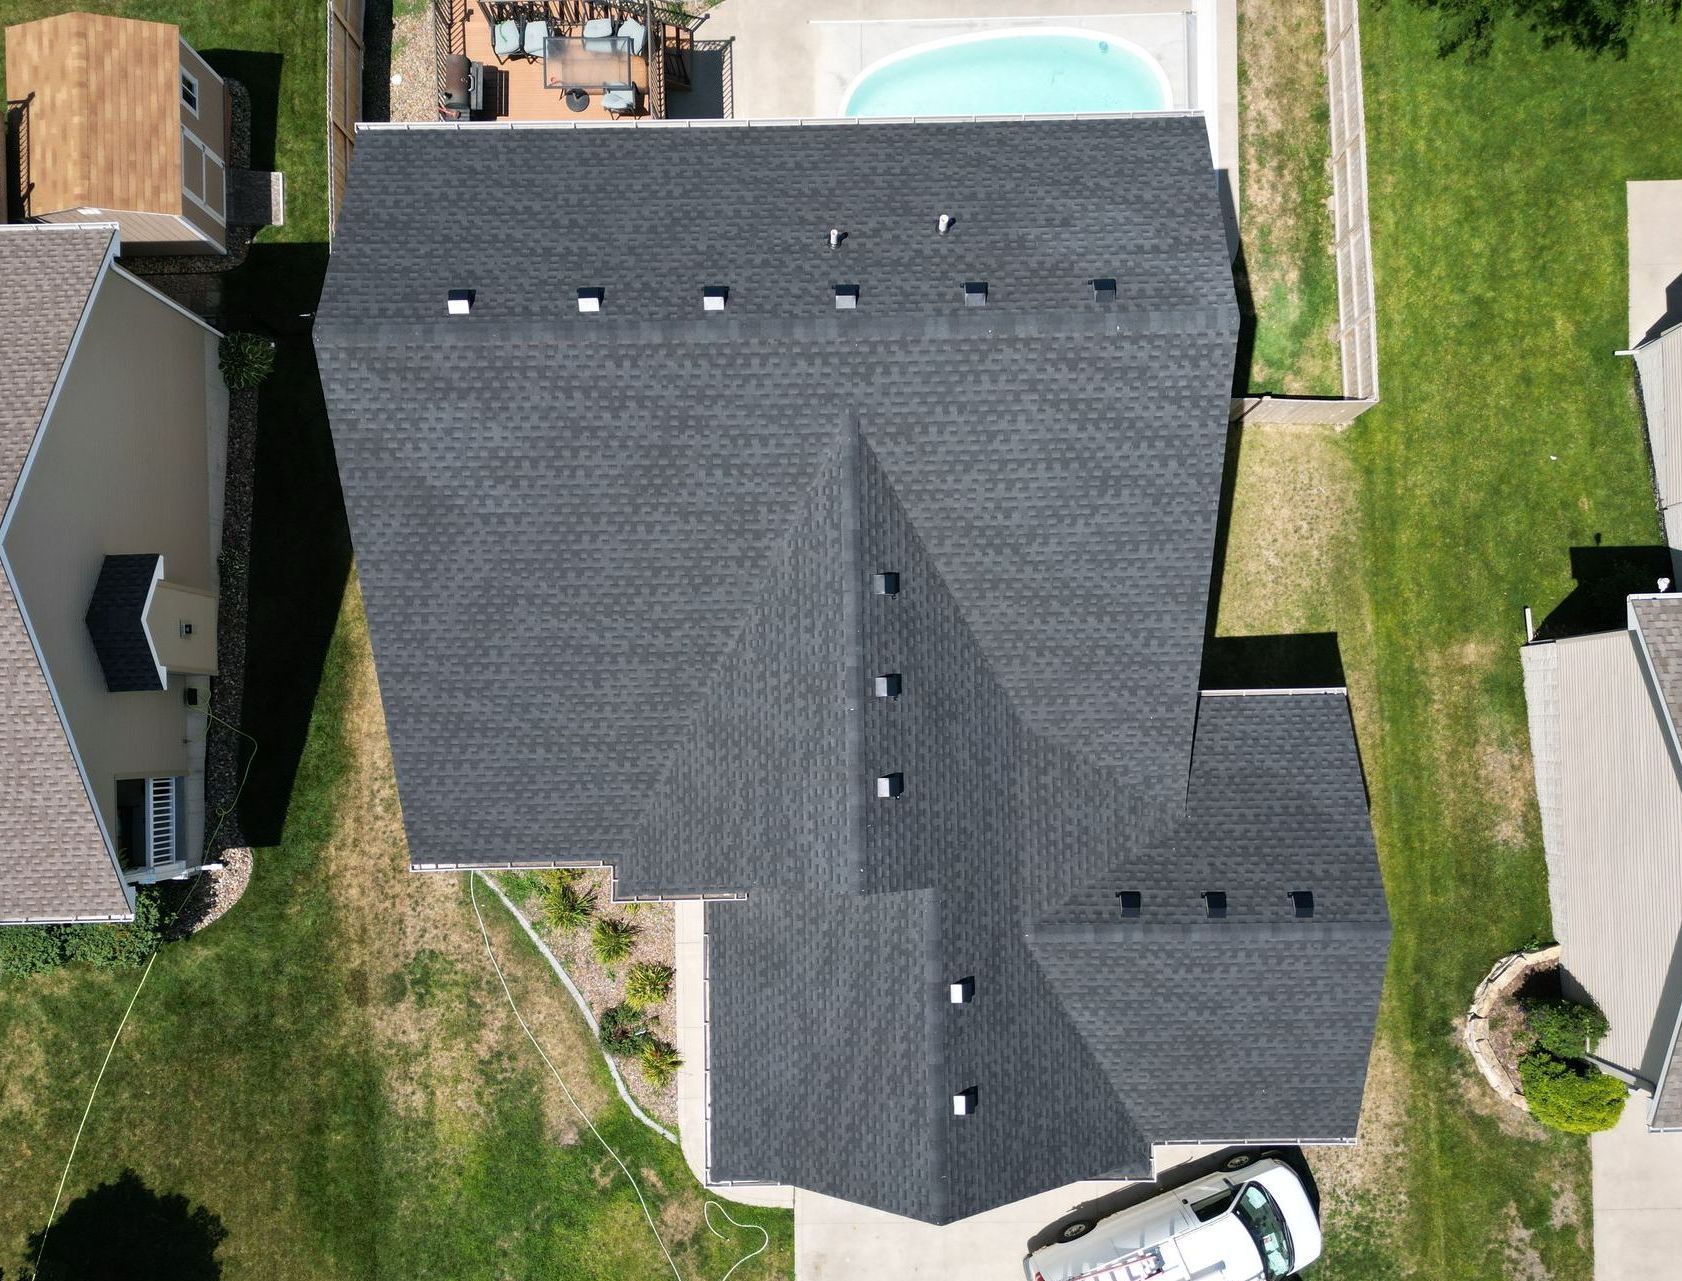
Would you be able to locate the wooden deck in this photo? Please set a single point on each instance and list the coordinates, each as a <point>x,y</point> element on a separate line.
<point>521,95</point>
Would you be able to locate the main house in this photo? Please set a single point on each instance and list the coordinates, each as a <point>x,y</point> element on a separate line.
<point>120,121</point>
<point>818,518</point>
<point>113,422</point>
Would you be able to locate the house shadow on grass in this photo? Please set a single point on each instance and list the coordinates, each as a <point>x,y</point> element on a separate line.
<point>260,74</point>
<point>1605,576</point>
<point>300,542</point>
<point>124,1231</point>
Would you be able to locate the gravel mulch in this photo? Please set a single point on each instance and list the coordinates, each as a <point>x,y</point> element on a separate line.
<point>604,987</point>
<point>226,752</point>
<point>414,73</point>
<point>213,893</point>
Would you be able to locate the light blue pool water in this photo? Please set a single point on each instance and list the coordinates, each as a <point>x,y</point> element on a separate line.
<point>1011,74</point>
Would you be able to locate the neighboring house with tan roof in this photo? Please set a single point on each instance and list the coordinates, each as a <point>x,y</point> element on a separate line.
<point>121,121</point>
<point>1604,711</point>
<point>113,426</point>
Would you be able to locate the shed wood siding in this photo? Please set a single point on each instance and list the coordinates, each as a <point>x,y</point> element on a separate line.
<point>139,228</point>
<point>119,472</point>
<point>1614,874</point>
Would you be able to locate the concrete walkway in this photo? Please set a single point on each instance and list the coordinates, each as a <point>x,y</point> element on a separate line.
<point>1637,1200</point>
<point>1655,257</point>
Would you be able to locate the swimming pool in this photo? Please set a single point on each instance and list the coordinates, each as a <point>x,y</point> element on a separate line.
<point>1034,72</point>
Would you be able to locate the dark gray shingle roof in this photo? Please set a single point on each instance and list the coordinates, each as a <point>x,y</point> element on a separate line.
<point>618,571</point>
<point>117,625</point>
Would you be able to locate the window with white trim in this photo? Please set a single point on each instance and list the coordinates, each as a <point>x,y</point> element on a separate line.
<point>189,91</point>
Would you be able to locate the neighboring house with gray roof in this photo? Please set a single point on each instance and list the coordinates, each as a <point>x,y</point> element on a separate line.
<point>858,583</point>
<point>1604,711</point>
<point>113,421</point>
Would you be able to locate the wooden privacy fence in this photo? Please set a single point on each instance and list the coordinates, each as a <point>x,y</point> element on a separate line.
<point>344,97</point>
<point>1357,318</point>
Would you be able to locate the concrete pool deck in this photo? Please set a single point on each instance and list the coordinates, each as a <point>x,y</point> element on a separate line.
<point>796,58</point>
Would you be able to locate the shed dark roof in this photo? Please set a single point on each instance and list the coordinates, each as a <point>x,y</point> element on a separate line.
<point>665,524</point>
<point>116,622</point>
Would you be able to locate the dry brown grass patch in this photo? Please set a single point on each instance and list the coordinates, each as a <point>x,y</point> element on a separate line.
<point>1360,1180</point>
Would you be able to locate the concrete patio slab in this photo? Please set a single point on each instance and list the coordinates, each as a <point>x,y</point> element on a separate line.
<point>1637,1200</point>
<point>795,58</point>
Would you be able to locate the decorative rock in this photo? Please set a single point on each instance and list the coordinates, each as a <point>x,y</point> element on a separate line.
<point>1506,976</point>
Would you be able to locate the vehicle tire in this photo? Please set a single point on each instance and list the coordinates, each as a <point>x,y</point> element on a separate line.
<point>1079,1228</point>
<point>1238,1160</point>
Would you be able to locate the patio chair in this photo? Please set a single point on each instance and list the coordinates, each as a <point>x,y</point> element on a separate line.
<point>598,35</point>
<point>505,39</point>
<point>537,31</point>
<point>636,33</point>
<point>620,100</point>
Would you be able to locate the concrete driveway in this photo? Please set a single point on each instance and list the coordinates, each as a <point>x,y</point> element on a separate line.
<point>839,1241</point>
<point>1637,1200</point>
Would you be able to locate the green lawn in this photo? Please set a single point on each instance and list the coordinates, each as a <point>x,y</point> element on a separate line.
<point>1288,273</point>
<point>1508,436</point>
<point>331,1072</point>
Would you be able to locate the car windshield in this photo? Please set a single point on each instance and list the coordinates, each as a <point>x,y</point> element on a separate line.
<point>1256,1211</point>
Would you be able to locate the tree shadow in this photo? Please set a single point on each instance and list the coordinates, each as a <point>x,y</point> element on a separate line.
<point>260,74</point>
<point>1606,577</point>
<point>1595,27</point>
<point>124,1231</point>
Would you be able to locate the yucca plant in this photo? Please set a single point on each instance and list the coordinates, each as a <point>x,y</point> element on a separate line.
<point>622,1031</point>
<point>647,984</point>
<point>660,1061</point>
<point>245,359</point>
<point>566,906</point>
<point>612,939</point>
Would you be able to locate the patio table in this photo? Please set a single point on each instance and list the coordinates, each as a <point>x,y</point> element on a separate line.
<point>569,62</point>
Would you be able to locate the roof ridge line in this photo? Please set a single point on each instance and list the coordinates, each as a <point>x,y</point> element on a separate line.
<point>1289,931</point>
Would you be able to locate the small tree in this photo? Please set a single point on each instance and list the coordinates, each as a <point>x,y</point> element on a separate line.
<point>1565,1029</point>
<point>1575,1097</point>
<point>567,906</point>
<point>245,359</point>
<point>660,1062</point>
<point>612,939</point>
<point>622,1031</point>
<point>647,984</point>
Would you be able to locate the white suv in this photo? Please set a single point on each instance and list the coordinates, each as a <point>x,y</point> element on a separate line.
<point>1253,1225</point>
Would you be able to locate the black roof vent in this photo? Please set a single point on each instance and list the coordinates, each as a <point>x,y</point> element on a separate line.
<point>1215,901</point>
<point>1131,902</point>
<point>459,302</point>
<point>1302,903</point>
<point>888,685</point>
<point>975,293</point>
<point>887,583</point>
<point>590,298</point>
<point>713,297</point>
<point>1103,289</point>
<point>846,297</point>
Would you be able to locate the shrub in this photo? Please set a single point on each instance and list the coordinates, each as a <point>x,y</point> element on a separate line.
<point>660,1061</point>
<point>1577,1098</point>
<point>29,949</point>
<point>612,939</point>
<point>566,906</point>
<point>245,359</point>
<point>118,947</point>
<point>1565,1029</point>
<point>622,1032</point>
<point>647,984</point>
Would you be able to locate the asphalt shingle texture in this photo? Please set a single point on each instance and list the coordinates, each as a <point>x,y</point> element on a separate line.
<point>53,861</point>
<point>619,575</point>
<point>117,625</point>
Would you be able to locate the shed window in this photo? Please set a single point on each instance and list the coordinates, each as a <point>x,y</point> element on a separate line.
<point>189,91</point>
